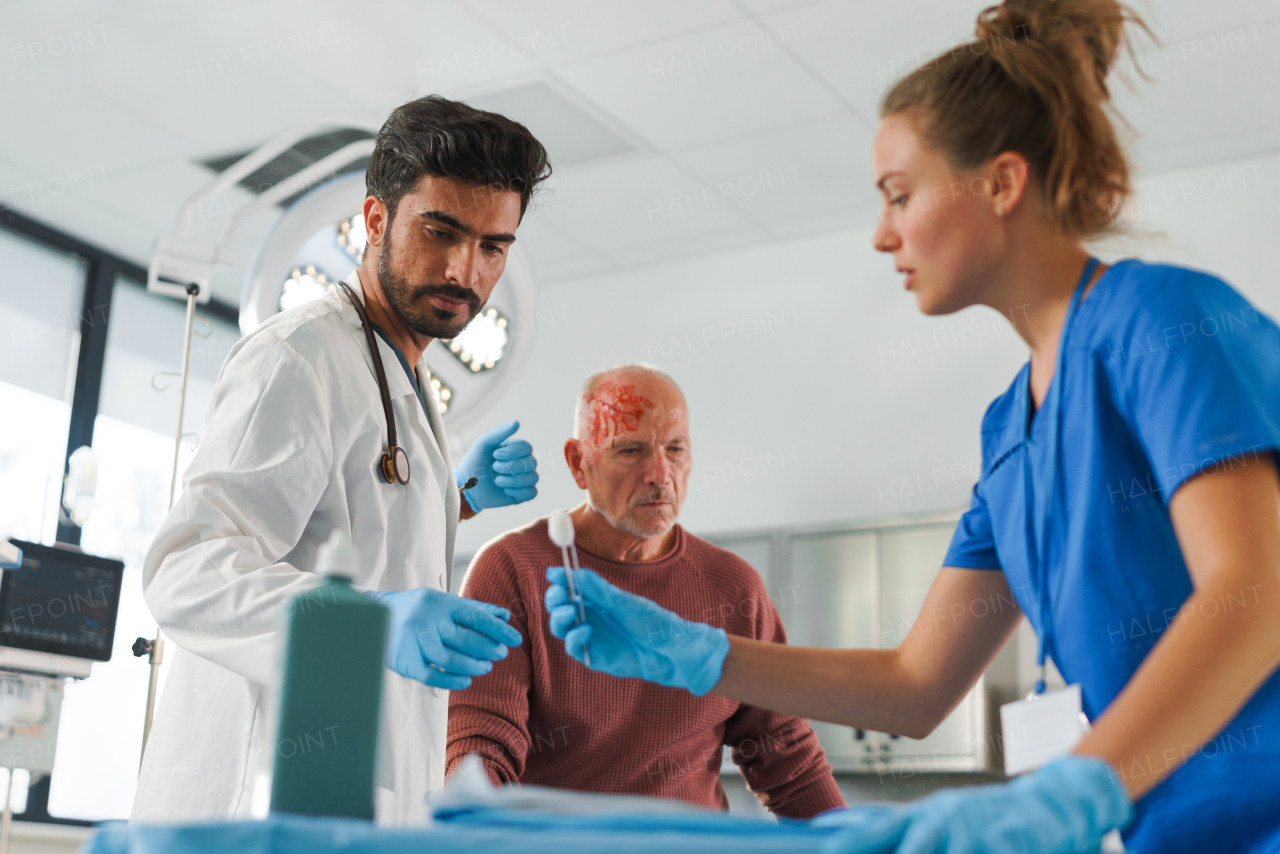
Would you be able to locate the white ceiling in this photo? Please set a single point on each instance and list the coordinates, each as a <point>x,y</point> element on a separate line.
<point>748,120</point>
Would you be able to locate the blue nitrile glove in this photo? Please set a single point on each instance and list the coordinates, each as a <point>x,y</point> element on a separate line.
<point>631,636</point>
<point>1066,807</point>
<point>443,640</point>
<point>504,468</point>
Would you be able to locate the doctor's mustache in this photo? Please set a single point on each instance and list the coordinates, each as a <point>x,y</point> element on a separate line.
<point>451,292</point>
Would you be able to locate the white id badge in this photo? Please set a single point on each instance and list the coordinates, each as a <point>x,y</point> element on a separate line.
<point>1040,729</point>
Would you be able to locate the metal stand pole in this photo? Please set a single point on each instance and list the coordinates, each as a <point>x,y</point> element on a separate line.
<point>155,648</point>
<point>7,823</point>
<point>193,290</point>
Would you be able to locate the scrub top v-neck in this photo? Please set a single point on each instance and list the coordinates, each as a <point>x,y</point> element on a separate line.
<point>408,369</point>
<point>1165,374</point>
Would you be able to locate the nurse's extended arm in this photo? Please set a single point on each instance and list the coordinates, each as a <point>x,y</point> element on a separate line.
<point>1216,652</point>
<point>907,690</point>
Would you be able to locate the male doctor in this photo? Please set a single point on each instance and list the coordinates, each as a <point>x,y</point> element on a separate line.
<point>296,432</point>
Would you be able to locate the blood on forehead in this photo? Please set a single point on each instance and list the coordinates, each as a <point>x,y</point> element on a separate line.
<point>615,408</point>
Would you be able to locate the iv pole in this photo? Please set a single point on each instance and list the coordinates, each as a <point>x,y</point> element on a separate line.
<point>154,649</point>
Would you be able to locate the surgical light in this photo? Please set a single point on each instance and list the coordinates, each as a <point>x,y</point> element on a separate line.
<point>480,346</point>
<point>303,285</point>
<point>441,391</point>
<point>352,237</point>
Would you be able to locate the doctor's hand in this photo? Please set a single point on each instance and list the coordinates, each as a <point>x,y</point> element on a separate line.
<point>627,635</point>
<point>443,640</point>
<point>1066,807</point>
<point>504,468</point>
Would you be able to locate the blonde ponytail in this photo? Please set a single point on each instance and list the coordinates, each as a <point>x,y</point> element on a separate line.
<point>1034,81</point>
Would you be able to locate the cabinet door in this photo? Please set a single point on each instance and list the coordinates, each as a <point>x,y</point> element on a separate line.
<point>909,562</point>
<point>833,585</point>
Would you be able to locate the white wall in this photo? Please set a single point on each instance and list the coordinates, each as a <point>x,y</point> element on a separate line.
<point>817,391</point>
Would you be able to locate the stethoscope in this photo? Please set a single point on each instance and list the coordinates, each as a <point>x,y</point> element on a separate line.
<point>394,464</point>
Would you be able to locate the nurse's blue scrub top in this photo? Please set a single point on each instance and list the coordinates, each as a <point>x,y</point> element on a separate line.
<point>1167,373</point>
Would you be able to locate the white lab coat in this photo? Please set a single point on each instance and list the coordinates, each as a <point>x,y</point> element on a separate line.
<point>295,432</point>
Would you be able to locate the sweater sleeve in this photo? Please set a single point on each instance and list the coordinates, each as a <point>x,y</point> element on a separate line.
<point>492,716</point>
<point>779,755</point>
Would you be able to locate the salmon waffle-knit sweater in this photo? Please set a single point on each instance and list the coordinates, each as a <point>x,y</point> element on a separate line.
<point>542,718</point>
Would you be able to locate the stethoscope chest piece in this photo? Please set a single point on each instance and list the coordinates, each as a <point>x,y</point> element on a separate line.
<point>395,465</point>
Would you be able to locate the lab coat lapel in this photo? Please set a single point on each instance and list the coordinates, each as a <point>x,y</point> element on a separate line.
<point>453,501</point>
<point>428,427</point>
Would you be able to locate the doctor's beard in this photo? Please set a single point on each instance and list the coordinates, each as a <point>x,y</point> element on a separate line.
<point>404,300</point>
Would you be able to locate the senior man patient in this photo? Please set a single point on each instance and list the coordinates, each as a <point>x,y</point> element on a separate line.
<point>542,718</point>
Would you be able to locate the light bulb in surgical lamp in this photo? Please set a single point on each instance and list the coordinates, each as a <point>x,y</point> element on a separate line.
<point>480,346</point>
<point>352,236</point>
<point>441,391</point>
<point>304,285</point>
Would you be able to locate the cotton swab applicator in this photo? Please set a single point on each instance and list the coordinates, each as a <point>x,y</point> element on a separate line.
<point>560,529</point>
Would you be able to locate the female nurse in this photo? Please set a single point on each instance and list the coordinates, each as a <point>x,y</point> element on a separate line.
<point>1128,500</point>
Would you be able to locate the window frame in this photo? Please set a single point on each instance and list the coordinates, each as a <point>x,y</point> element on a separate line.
<point>101,269</point>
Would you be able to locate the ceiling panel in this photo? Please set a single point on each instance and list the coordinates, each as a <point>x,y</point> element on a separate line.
<point>1175,21</point>
<point>1214,96</point>
<point>760,96</point>
<point>689,244</point>
<point>635,201</point>
<point>214,81</point>
<point>440,47</point>
<point>553,253</point>
<point>789,173</point>
<point>561,31</point>
<point>860,48</point>
<point>78,213</point>
<point>719,84</point>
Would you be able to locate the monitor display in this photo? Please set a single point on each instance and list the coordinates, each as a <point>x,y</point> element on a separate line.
<point>61,601</point>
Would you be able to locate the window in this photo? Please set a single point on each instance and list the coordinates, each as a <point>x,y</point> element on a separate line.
<point>100,739</point>
<point>65,303</point>
<point>41,300</point>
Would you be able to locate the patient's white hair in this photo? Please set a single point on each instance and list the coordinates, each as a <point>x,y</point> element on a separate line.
<point>581,412</point>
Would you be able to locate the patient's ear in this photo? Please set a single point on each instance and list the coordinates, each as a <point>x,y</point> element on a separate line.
<point>573,456</point>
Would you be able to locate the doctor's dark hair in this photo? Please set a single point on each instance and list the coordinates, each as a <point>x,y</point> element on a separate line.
<point>436,136</point>
<point>1033,81</point>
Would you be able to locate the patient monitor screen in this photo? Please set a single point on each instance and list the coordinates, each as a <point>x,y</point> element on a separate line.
<point>61,601</point>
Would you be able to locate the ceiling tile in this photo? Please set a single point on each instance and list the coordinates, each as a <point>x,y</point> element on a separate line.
<point>634,201</point>
<point>1210,98</point>
<point>439,48</point>
<point>859,49</point>
<point>724,83</point>
<point>790,173</point>
<point>79,213</point>
<point>688,245</point>
<point>553,254</point>
<point>560,31</point>
<point>216,82</point>
<point>1175,21</point>
<point>763,96</point>
<point>758,6</point>
<point>569,131</point>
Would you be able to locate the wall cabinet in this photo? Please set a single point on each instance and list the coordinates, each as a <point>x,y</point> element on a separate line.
<point>863,588</point>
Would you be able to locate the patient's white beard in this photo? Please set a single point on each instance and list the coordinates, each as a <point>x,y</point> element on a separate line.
<point>626,523</point>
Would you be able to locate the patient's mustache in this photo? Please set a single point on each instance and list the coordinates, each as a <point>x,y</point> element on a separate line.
<point>657,494</point>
